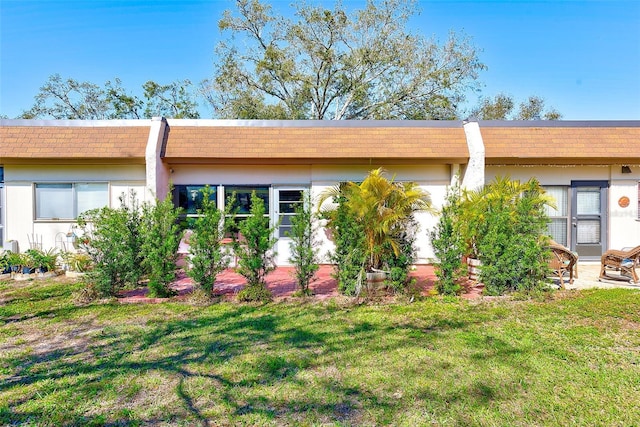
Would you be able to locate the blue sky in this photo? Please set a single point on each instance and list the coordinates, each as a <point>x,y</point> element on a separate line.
<point>583,57</point>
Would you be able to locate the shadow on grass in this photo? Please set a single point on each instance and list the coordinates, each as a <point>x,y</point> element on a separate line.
<point>242,354</point>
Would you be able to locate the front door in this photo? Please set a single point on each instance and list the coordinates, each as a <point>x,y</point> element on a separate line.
<point>589,218</point>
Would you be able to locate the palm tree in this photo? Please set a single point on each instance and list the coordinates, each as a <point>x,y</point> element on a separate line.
<point>383,207</point>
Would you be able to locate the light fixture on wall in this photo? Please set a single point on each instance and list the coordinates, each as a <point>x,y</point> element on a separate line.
<point>626,169</point>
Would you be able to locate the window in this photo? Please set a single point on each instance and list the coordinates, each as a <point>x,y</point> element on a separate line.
<point>68,200</point>
<point>189,197</point>
<point>242,198</point>
<point>288,200</point>
<point>559,225</point>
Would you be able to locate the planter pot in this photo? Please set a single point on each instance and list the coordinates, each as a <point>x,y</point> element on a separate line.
<point>46,274</point>
<point>28,270</point>
<point>74,274</point>
<point>375,280</point>
<point>473,268</point>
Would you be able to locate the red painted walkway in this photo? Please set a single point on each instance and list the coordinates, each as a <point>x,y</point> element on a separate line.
<point>282,284</point>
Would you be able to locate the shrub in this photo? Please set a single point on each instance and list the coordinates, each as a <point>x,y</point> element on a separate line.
<point>398,264</point>
<point>160,241</point>
<point>112,238</point>
<point>505,224</point>
<point>349,256</point>
<point>448,246</point>
<point>207,255</point>
<point>253,247</point>
<point>304,247</point>
<point>257,292</point>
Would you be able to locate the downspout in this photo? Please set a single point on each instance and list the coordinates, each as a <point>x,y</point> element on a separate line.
<point>473,178</point>
<point>157,173</point>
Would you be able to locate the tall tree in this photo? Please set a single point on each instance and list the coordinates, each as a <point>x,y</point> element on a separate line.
<point>172,100</point>
<point>69,99</point>
<point>501,107</point>
<point>337,64</point>
<point>61,98</point>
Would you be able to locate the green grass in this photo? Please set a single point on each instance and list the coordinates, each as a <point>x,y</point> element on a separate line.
<point>571,360</point>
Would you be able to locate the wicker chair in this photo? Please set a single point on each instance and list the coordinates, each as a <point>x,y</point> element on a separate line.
<point>563,261</point>
<point>623,261</point>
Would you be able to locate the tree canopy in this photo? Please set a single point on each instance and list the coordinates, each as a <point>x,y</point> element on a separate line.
<point>501,107</point>
<point>61,98</point>
<point>321,63</point>
<point>337,64</point>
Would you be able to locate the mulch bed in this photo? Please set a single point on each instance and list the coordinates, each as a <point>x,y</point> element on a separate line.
<point>282,284</point>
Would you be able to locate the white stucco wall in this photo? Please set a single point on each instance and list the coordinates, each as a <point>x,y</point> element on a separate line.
<point>623,227</point>
<point>433,178</point>
<point>20,223</point>
<point>550,175</point>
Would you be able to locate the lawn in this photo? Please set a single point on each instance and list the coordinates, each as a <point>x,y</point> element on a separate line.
<point>573,359</point>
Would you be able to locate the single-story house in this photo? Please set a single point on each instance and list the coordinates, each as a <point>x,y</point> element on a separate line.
<point>52,170</point>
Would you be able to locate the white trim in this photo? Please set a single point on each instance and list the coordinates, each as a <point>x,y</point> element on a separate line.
<point>157,172</point>
<point>475,171</point>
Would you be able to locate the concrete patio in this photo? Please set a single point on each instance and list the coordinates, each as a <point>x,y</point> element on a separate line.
<point>588,274</point>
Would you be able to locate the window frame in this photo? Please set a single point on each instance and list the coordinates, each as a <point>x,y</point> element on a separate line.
<point>175,197</point>
<point>567,217</point>
<point>278,215</point>
<point>74,197</point>
<point>268,205</point>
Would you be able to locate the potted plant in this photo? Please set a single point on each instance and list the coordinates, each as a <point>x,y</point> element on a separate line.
<point>49,260</point>
<point>14,261</point>
<point>384,209</point>
<point>28,262</point>
<point>42,261</point>
<point>5,267</point>
<point>80,263</point>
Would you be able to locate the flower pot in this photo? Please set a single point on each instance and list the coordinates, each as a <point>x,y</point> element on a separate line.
<point>473,268</point>
<point>375,279</point>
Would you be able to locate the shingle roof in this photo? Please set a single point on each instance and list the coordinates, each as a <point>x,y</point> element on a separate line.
<point>354,141</point>
<point>561,144</point>
<point>84,142</point>
<point>250,142</point>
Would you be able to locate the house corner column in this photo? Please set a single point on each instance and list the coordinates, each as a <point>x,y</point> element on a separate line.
<point>157,173</point>
<point>473,178</point>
